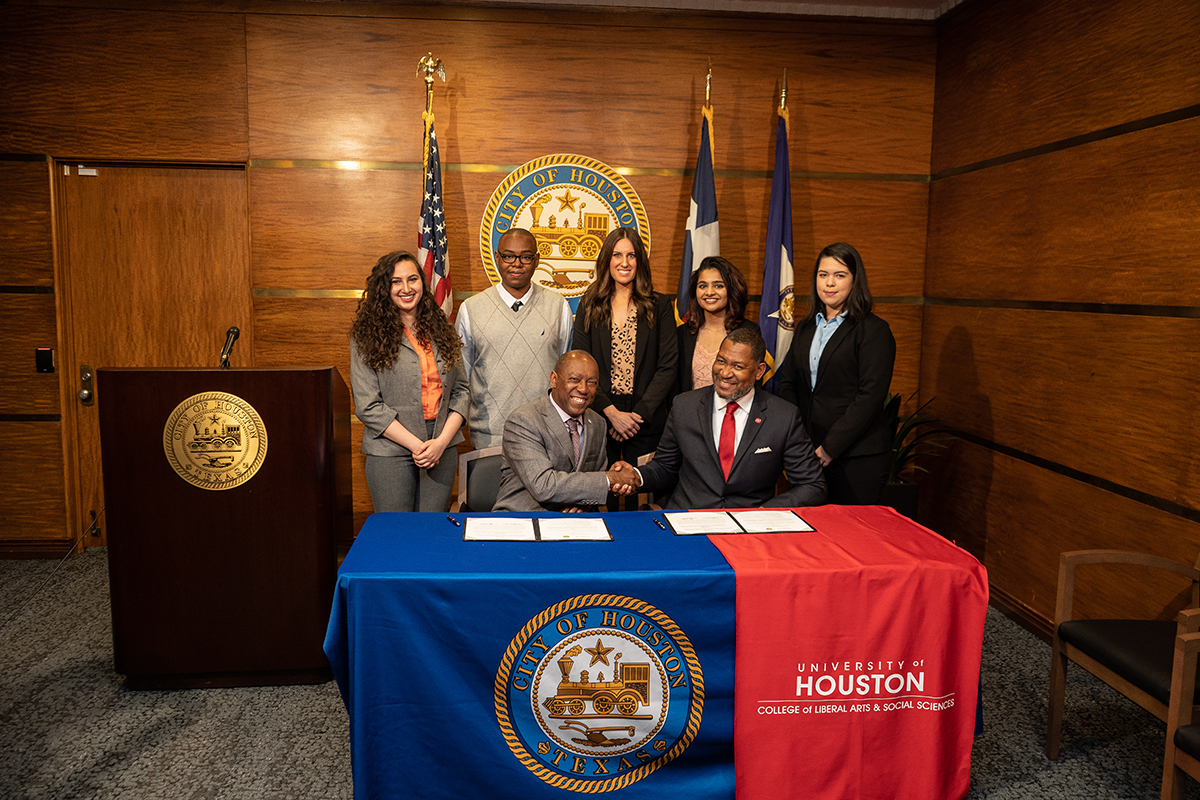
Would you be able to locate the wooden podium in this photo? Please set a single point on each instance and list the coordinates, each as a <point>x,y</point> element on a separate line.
<point>222,559</point>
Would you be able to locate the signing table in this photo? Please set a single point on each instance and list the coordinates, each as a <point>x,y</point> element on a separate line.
<point>523,669</point>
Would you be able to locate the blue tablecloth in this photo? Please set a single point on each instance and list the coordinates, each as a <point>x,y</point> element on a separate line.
<point>448,656</point>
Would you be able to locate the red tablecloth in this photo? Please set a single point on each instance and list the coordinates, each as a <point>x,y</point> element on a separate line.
<point>858,650</point>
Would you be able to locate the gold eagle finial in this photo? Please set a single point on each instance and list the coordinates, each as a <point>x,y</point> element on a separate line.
<point>430,66</point>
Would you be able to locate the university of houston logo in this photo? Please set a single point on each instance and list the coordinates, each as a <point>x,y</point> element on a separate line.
<point>570,203</point>
<point>215,440</point>
<point>597,692</point>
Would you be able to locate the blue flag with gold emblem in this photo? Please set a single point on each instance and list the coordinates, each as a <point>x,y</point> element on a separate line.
<point>775,313</point>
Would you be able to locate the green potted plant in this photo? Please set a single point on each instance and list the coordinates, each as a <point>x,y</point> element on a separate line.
<point>911,437</point>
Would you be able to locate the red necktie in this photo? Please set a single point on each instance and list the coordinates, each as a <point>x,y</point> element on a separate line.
<point>728,431</point>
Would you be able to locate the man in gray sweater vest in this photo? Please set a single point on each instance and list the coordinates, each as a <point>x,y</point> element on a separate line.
<point>513,334</point>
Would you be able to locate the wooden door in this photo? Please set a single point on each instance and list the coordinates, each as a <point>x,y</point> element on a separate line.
<point>154,269</point>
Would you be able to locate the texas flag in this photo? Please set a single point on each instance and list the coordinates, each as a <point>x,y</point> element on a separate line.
<point>701,238</point>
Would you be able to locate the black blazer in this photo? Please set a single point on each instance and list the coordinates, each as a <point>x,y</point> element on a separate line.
<point>655,359</point>
<point>774,441</point>
<point>844,412</point>
<point>687,350</point>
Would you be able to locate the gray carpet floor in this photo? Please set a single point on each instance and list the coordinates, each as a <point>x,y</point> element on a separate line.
<point>68,729</point>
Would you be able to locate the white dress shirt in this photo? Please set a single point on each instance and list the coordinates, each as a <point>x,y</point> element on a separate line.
<point>740,416</point>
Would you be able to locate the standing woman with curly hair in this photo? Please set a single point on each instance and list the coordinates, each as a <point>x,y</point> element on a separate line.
<point>630,331</point>
<point>410,390</point>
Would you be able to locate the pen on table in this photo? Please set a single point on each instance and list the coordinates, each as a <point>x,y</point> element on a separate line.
<point>658,522</point>
<point>453,520</point>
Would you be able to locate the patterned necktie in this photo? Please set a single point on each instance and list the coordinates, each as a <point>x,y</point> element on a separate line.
<point>517,305</point>
<point>573,425</point>
<point>728,431</point>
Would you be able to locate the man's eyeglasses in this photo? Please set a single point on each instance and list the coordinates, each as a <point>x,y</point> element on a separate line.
<point>526,258</point>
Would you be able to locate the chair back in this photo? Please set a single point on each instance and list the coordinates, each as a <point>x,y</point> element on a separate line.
<point>644,500</point>
<point>478,479</point>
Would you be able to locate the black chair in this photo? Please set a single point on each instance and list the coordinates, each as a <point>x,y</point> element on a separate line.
<point>1183,737</point>
<point>1133,656</point>
<point>478,479</point>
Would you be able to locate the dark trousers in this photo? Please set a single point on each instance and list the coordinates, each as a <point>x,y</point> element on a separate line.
<point>857,480</point>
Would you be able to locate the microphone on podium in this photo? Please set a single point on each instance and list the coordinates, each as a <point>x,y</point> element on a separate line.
<point>231,336</point>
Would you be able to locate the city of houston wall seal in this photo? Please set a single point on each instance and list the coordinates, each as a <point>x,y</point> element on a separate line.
<point>597,692</point>
<point>215,440</point>
<point>569,203</point>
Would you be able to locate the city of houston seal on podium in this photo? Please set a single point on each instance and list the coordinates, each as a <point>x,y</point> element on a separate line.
<point>215,440</point>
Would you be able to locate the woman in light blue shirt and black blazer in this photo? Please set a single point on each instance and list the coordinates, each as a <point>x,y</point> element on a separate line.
<point>410,389</point>
<point>838,371</point>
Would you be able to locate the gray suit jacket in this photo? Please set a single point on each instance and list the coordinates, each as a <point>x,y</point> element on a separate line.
<point>774,441</point>
<point>395,394</point>
<point>537,472</point>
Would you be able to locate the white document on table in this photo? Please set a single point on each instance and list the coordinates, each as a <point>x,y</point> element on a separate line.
<point>688,523</point>
<point>566,529</point>
<point>771,520</point>
<point>499,529</point>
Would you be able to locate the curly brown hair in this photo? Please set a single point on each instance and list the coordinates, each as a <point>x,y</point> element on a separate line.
<point>378,329</point>
<point>596,303</point>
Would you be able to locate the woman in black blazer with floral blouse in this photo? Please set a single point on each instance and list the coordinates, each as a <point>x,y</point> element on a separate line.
<point>630,331</point>
<point>838,371</point>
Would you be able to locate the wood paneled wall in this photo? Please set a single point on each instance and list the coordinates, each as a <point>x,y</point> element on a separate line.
<point>32,477</point>
<point>1054,248</point>
<point>1062,307</point>
<point>293,88</point>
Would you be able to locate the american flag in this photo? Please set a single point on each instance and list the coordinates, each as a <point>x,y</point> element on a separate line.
<point>431,228</point>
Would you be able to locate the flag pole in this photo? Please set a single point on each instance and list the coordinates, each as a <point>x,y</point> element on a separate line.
<point>701,236</point>
<point>431,225</point>
<point>783,109</point>
<point>430,66</point>
<point>776,316</point>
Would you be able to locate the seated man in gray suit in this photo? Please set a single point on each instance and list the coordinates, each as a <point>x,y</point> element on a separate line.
<point>554,448</point>
<point>727,444</point>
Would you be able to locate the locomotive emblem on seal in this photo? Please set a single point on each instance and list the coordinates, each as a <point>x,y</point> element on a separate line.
<point>215,440</point>
<point>570,204</point>
<point>598,691</point>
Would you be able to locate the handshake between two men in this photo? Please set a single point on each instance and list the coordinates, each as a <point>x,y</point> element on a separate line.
<point>740,440</point>
<point>555,447</point>
<point>623,479</point>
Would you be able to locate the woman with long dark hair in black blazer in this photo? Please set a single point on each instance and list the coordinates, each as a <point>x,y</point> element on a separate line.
<point>630,331</point>
<point>717,297</point>
<point>838,371</point>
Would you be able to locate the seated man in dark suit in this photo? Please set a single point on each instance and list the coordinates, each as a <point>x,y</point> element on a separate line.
<point>554,448</point>
<point>727,444</point>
